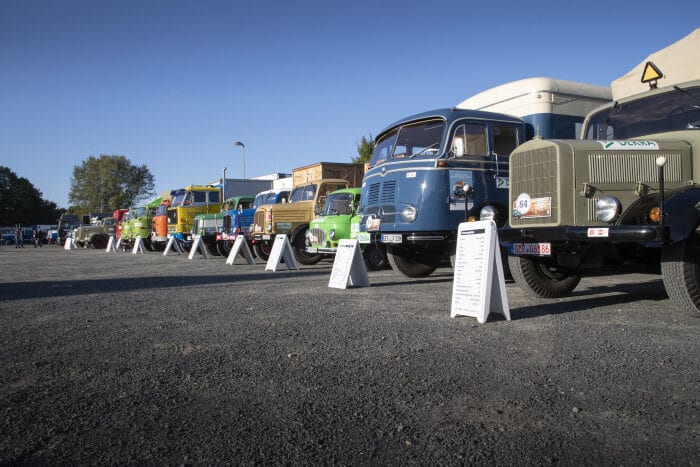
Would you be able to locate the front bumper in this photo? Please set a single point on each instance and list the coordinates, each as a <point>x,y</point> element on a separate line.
<point>618,234</point>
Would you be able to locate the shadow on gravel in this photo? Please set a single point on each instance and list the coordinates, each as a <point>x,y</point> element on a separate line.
<point>45,289</point>
<point>623,294</point>
<point>427,280</point>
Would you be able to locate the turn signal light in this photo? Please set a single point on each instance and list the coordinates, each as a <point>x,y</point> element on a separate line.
<point>655,215</point>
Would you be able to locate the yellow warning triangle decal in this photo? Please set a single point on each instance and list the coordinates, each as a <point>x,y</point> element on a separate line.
<point>651,73</point>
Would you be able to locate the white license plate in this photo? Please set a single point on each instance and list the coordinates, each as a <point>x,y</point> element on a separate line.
<point>391,238</point>
<point>532,249</point>
<point>311,250</point>
<point>363,237</point>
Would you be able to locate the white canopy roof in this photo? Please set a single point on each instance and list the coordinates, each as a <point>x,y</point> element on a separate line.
<point>679,63</point>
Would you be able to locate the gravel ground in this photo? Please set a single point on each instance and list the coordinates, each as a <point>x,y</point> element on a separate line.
<point>150,359</point>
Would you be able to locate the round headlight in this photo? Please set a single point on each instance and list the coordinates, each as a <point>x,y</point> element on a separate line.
<point>409,214</point>
<point>607,208</point>
<point>331,234</point>
<point>488,213</point>
<point>368,222</point>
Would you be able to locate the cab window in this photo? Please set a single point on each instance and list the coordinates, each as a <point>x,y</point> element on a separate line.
<point>505,139</point>
<point>469,139</point>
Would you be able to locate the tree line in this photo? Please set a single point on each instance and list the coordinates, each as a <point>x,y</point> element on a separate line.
<point>99,184</point>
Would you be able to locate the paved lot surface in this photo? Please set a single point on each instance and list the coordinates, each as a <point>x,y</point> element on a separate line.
<point>145,359</point>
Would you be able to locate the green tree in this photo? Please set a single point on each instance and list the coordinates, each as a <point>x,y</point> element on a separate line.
<point>106,183</point>
<point>22,203</point>
<point>364,150</point>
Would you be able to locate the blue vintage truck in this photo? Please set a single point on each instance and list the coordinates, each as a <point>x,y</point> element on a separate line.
<point>433,170</point>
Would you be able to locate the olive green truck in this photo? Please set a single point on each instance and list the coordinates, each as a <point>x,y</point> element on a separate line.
<point>623,199</point>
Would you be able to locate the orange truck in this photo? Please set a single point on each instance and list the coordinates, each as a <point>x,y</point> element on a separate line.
<point>159,222</point>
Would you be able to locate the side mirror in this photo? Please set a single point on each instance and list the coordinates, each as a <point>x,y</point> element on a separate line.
<point>458,147</point>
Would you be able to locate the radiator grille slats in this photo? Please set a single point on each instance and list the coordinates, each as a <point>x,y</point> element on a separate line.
<point>535,172</point>
<point>632,167</point>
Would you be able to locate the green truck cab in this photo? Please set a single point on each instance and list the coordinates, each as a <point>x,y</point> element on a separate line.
<point>626,198</point>
<point>137,223</point>
<point>339,220</point>
<point>217,229</point>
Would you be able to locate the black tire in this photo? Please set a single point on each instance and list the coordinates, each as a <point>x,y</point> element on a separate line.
<point>412,266</point>
<point>224,247</point>
<point>184,246</point>
<point>299,247</point>
<point>375,257</point>
<point>680,269</point>
<point>211,247</point>
<point>263,249</point>
<point>537,280</point>
<point>99,242</point>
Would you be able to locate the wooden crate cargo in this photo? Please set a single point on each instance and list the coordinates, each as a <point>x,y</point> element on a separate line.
<point>353,173</point>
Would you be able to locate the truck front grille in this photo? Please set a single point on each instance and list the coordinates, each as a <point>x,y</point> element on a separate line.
<point>260,218</point>
<point>381,197</point>
<point>320,235</point>
<point>535,173</point>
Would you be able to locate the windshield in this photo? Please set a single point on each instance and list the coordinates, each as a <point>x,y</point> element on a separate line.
<point>338,204</point>
<point>178,199</point>
<point>670,111</point>
<point>140,212</point>
<point>162,210</point>
<point>303,193</point>
<point>410,140</point>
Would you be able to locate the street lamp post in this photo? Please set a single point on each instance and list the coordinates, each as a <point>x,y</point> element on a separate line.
<point>238,143</point>
<point>223,187</point>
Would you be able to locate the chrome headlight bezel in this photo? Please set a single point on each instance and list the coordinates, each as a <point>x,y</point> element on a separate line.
<point>608,208</point>
<point>488,213</point>
<point>409,214</point>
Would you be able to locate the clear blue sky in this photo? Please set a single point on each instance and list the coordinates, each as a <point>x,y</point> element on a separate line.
<point>172,84</point>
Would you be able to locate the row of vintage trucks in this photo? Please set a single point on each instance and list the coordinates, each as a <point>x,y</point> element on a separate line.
<point>579,179</point>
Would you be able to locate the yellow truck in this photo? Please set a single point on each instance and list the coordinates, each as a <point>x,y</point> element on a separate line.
<point>187,203</point>
<point>311,186</point>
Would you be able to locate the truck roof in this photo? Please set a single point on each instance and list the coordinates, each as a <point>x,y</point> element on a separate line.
<point>677,63</point>
<point>452,113</point>
<point>522,97</point>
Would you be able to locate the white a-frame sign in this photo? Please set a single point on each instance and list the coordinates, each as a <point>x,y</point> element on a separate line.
<point>281,248</point>
<point>478,286</point>
<point>198,244</point>
<point>240,246</point>
<point>348,266</point>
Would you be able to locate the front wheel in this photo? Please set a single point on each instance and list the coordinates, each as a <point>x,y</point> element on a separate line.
<point>375,257</point>
<point>299,247</point>
<point>224,247</point>
<point>263,249</point>
<point>184,246</point>
<point>538,280</point>
<point>681,273</point>
<point>211,248</point>
<point>412,264</point>
<point>99,242</point>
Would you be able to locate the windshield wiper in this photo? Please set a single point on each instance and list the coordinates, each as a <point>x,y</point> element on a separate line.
<point>432,146</point>
<point>683,91</point>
